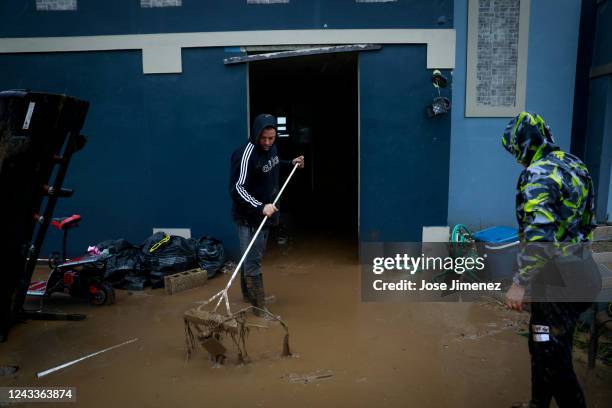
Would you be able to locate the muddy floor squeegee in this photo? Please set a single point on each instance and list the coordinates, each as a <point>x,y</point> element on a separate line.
<point>207,327</point>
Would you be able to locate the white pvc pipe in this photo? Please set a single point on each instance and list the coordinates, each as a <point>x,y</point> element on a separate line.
<point>68,364</point>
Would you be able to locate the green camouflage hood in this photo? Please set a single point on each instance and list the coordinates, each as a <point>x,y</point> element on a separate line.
<point>528,138</point>
<point>555,200</point>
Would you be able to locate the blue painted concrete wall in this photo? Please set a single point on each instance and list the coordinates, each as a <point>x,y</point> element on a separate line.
<point>605,181</point>
<point>160,144</point>
<point>20,18</point>
<point>602,51</point>
<point>404,155</point>
<point>599,130</point>
<point>483,175</point>
<point>598,150</point>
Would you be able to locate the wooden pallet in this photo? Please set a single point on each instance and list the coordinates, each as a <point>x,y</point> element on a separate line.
<point>181,281</point>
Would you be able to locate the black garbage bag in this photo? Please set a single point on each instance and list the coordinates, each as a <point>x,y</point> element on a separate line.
<point>157,279</point>
<point>211,255</point>
<point>155,242</point>
<point>115,246</point>
<point>129,260</point>
<point>134,281</point>
<point>123,257</point>
<point>165,255</point>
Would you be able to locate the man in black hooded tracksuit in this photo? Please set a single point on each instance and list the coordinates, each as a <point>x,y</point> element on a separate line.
<point>254,184</point>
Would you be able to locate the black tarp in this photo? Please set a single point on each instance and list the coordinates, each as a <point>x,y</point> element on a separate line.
<point>135,266</point>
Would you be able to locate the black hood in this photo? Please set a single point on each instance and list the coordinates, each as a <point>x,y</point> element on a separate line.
<point>260,123</point>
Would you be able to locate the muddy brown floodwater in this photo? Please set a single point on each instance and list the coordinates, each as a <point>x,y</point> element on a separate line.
<point>346,353</point>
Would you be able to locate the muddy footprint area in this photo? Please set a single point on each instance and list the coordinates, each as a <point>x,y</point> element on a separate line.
<point>344,352</point>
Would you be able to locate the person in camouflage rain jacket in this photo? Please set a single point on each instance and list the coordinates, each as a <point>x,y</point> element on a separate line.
<point>554,204</point>
<point>555,199</point>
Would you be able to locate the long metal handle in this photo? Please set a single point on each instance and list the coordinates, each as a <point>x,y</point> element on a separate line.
<point>223,293</point>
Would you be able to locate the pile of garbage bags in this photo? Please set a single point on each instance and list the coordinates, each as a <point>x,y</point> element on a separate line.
<point>136,266</point>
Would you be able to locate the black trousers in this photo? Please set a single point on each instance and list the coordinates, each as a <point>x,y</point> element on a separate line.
<point>551,332</point>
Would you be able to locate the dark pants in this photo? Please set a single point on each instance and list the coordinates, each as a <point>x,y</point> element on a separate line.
<point>551,332</point>
<point>252,263</point>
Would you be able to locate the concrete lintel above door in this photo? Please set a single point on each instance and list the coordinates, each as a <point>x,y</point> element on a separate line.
<point>162,52</point>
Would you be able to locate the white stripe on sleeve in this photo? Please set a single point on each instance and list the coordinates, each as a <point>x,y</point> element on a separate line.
<point>244,164</point>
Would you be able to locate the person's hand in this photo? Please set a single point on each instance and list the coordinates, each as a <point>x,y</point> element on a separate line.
<point>514,297</point>
<point>269,210</point>
<point>299,161</point>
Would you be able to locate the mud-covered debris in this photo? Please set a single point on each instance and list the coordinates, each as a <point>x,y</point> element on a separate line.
<point>6,371</point>
<point>311,377</point>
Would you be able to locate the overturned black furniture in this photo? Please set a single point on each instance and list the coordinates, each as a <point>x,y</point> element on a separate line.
<point>39,132</point>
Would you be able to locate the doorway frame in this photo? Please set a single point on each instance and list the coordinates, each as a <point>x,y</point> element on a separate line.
<point>248,122</point>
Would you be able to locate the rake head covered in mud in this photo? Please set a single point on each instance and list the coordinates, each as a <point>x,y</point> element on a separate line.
<point>210,329</point>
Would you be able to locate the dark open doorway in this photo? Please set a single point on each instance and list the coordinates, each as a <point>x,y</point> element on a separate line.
<point>317,97</point>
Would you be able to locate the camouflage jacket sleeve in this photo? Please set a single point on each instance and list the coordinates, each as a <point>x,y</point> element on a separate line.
<point>538,216</point>
<point>588,221</point>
